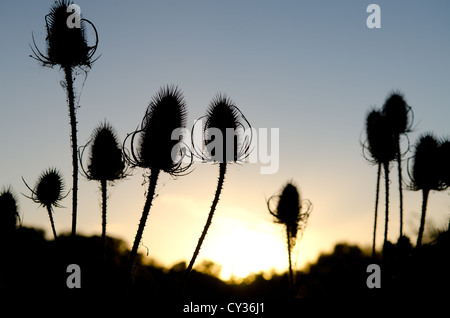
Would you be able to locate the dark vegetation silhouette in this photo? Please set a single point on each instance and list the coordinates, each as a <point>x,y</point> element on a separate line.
<point>293,213</point>
<point>9,215</point>
<point>399,118</point>
<point>223,117</point>
<point>67,48</point>
<point>165,113</point>
<point>48,192</point>
<point>381,145</point>
<point>105,163</point>
<point>426,173</point>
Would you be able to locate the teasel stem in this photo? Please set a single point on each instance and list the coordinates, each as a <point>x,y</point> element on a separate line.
<point>377,195</point>
<point>145,212</point>
<point>222,172</point>
<point>386,221</point>
<point>73,126</point>
<point>50,215</point>
<point>104,196</point>
<point>425,193</point>
<point>291,275</point>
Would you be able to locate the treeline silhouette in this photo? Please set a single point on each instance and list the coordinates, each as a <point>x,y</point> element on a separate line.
<point>32,265</point>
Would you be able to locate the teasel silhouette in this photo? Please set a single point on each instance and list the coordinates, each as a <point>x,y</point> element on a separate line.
<point>293,213</point>
<point>426,174</point>
<point>381,146</point>
<point>9,215</point>
<point>399,117</point>
<point>48,192</point>
<point>220,147</point>
<point>155,149</point>
<point>105,164</point>
<point>67,48</point>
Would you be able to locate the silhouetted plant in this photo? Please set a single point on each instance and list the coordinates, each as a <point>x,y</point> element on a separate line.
<point>48,192</point>
<point>398,113</point>
<point>222,147</point>
<point>382,149</point>
<point>293,213</point>
<point>156,148</point>
<point>67,47</point>
<point>9,215</point>
<point>105,163</point>
<point>425,174</point>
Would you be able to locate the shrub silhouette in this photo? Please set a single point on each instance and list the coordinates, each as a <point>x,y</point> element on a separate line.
<point>48,191</point>
<point>67,47</point>
<point>381,145</point>
<point>165,113</point>
<point>221,116</point>
<point>425,174</point>
<point>105,163</point>
<point>289,213</point>
<point>398,113</point>
<point>9,215</point>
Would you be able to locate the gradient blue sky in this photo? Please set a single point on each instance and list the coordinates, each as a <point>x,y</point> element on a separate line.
<point>310,68</point>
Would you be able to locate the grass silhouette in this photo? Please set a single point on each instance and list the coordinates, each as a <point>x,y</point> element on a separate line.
<point>289,212</point>
<point>68,48</point>
<point>105,163</point>
<point>48,191</point>
<point>165,113</point>
<point>222,117</point>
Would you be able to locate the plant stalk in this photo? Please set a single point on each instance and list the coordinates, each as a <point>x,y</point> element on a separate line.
<point>222,171</point>
<point>376,209</point>
<point>50,215</point>
<point>425,193</point>
<point>73,129</point>
<point>386,177</point>
<point>400,184</point>
<point>104,193</point>
<point>145,212</point>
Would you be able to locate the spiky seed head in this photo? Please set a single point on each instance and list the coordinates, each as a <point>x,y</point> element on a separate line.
<point>9,215</point>
<point>222,114</point>
<point>444,162</point>
<point>381,141</point>
<point>105,160</point>
<point>49,188</point>
<point>425,170</point>
<point>66,46</point>
<point>165,113</point>
<point>396,111</point>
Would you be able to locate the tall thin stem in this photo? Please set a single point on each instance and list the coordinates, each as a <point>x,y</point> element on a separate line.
<point>291,275</point>
<point>145,212</point>
<point>104,193</point>
<point>73,127</point>
<point>376,209</point>
<point>400,184</point>
<point>50,215</point>
<point>222,171</point>
<point>386,177</point>
<point>425,193</point>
